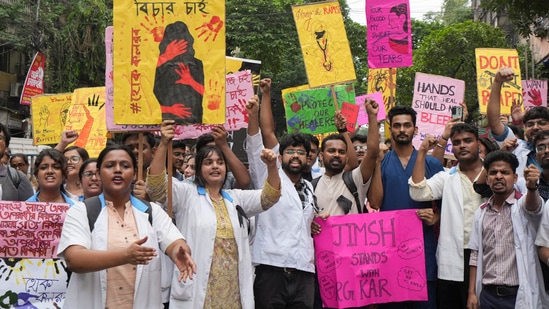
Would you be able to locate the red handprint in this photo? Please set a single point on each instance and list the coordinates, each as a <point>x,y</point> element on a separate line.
<point>156,29</point>
<point>174,49</point>
<point>214,26</point>
<point>214,99</point>
<point>535,97</point>
<point>241,107</point>
<point>178,110</point>
<point>187,79</point>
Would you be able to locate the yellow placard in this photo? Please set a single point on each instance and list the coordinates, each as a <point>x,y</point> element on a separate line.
<point>49,115</point>
<point>324,43</point>
<point>169,62</point>
<point>384,81</point>
<point>87,116</point>
<point>489,61</point>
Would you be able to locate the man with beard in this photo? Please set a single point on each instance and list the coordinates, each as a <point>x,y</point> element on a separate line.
<point>396,169</point>
<point>333,196</point>
<point>312,169</point>
<point>535,120</point>
<point>459,203</point>
<point>283,249</point>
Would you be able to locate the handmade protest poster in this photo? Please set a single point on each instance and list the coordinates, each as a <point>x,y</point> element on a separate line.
<point>234,64</point>
<point>326,52</point>
<point>49,115</point>
<point>169,62</point>
<point>434,97</point>
<point>362,114</point>
<point>384,81</point>
<point>389,34</point>
<point>488,63</point>
<point>34,82</point>
<point>240,89</point>
<point>534,93</point>
<point>370,259</point>
<point>312,111</point>
<point>350,112</point>
<point>87,116</point>
<point>30,275</point>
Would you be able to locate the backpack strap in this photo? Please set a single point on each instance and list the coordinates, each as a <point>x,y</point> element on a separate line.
<point>314,182</point>
<point>93,208</point>
<point>350,183</point>
<point>14,177</point>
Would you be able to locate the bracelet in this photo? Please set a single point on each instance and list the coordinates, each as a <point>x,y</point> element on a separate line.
<point>444,138</point>
<point>533,189</point>
<point>440,146</point>
<point>344,130</point>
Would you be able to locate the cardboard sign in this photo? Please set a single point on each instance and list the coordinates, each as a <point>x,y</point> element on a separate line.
<point>362,114</point>
<point>49,115</point>
<point>389,33</point>
<point>489,61</point>
<point>370,259</point>
<point>534,93</point>
<point>434,96</point>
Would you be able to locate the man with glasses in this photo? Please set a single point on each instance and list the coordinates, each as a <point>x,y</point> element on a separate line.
<point>283,249</point>
<point>360,144</point>
<point>15,185</point>
<point>535,120</point>
<point>178,159</point>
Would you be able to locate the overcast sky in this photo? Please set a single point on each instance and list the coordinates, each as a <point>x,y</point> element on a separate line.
<point>417,9</point>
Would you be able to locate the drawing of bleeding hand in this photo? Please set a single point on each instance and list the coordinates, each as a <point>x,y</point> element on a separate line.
<point>174,49</point>
<point>178,110</point>
<point>44,115</point>
<point>214,26</point>
<point>214,99</point>
<point>186,78</point>
<point>241,107</point>
<point>535,95</point>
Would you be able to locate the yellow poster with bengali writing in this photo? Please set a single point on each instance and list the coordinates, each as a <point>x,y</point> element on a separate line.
<point>87,116</point>
<point>489,61</point>
<point>49,115</point>
<point>324,43</point>
<point>169,61</point>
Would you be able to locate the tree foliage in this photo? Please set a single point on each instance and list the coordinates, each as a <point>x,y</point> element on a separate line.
<point>451,52</point>
<point>528,16</point>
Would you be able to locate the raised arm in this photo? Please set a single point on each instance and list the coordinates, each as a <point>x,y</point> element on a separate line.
<point>418,174</point>
<point>440,149</point>
<point>236,166</point>
<point>341,126</point>
<point>493,109</point>
<point>533,200</point>
<point>67,137</point>
<point>266,115</point>
<point>368,164</point>
<point>271,190</point>
<point>156,179</point>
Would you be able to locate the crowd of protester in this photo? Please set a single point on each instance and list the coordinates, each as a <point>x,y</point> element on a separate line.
<point>241,233</point>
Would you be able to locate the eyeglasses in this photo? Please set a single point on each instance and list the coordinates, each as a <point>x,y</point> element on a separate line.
<point>532,123</point>
<point>361,148</point>
<point>541,147</point>
<point>89,174</point>
<point>294,151</point>
<point>73,159</point>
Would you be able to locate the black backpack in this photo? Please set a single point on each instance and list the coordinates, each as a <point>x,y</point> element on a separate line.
<point>93,207</point>
<point>348,179</point>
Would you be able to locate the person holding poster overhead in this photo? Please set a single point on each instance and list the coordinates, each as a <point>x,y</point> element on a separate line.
<point>216,225</point>
<point>505,268</point>
<point>283,249</point>
<point>459,203</point>
<point>396,168</point>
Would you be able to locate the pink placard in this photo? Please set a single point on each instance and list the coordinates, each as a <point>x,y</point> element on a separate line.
<point>370,259</point>
<point>31,230</point>
<point>389,33</point>
<point>239,89</point>
<point>434,97</point>
<point>534,93</point>
<point>362,115</point>
<point>350,112</point>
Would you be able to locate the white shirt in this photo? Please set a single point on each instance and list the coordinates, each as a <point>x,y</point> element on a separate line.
<point>531,293</point>
<point>88,290</point>
<point>447,185</point>
<point>283,233</point>
<point>196,219</point>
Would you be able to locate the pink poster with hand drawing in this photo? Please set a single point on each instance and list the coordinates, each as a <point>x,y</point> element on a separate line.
<point>534,93</point>
<point>370,259</point>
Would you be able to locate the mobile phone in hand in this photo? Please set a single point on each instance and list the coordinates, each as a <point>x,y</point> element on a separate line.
<point>457,112</point>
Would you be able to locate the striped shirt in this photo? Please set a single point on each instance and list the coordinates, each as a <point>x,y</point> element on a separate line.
<point>498,243</point>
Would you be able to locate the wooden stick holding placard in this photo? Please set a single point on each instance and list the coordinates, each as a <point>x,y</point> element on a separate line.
<point>140,141</point>
<point>334,96</point>
<point>170,174</point>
